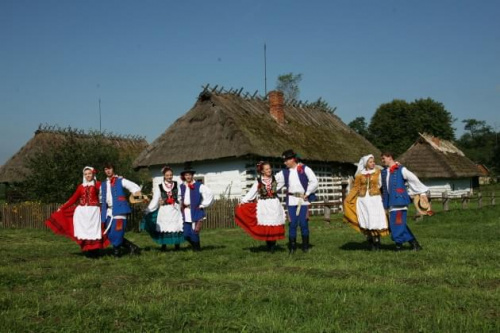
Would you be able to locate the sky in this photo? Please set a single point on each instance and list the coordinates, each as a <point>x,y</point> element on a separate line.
<point>147,60</point>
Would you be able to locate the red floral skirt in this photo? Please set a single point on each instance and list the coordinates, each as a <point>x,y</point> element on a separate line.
<point>246,218</point>
<point>61,223</point>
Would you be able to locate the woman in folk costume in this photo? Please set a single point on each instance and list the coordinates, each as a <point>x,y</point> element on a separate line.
<point>363,208</point>
<point>163,219</point>
<point>83,222</point>
<point>265,219</point>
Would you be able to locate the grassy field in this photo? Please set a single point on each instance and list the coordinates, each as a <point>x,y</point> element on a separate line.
<point>453,285</point>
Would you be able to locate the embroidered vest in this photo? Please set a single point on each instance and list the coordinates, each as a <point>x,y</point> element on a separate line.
<point>195,196</point>
<point>264,193</point>
<point>165,197</point>
<point>395,194</point>
<point>304,181</point>
<point>90,195</point>
<point>120,203</point>
<point>369,183</point>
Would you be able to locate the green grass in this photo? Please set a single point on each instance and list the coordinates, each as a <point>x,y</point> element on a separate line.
<point>232,285</point>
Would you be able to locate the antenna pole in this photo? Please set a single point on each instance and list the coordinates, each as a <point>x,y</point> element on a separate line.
<point>100,123</point>
<point>265,70</point>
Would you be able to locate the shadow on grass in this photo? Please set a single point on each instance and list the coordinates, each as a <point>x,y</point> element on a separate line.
<point>108,252</point>
<point>278,248</point>
<point>365,246</point>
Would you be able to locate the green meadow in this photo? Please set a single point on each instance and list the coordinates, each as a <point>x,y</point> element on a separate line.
<point>234,285</point>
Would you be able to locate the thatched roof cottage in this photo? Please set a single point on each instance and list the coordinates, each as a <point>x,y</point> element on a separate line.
<point>226,133</point>
<point>49,137</point>
<point>441,166</point>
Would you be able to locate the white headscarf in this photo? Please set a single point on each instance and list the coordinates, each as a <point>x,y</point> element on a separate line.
<point>362,165</point>
<point>85,182</point>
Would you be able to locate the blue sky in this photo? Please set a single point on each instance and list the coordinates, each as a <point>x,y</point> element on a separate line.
<point>147,60</point>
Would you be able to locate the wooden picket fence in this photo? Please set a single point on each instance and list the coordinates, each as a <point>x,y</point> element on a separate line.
<point>33,215</point>
<point>26,215</point>
<point>219,215</point>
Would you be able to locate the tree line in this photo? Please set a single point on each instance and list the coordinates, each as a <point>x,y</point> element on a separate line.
<point>405,120</point>
<point>396,125</point>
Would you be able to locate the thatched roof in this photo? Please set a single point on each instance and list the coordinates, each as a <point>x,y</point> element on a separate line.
<point>483,170</point>
<point>431,157</point>
<point>47,138</point>
<point>227,125</point>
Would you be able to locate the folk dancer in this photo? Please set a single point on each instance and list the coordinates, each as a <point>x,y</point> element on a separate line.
<point>264,219</point>
<point>163,218</point>
<point>195,197</point>
<point>115,207</point>
<point>363,208</point>
<point>82,223</point>
<point>396,199</point>
<point>301,184</point>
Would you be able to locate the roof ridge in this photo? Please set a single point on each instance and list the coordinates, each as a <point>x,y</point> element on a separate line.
<point>56,129</point>
<point>242,93</point>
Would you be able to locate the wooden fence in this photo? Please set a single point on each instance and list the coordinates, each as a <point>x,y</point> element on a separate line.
<point>25,215</point>
<point>219,215</point>
<point>33,215</point>
<point>467,198</point>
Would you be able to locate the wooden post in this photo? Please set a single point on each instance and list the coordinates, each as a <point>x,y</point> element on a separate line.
<point>428,195</point>
<point>479,200</point>
<point>464,201</point>
<point>326,211</point>
<point>445,201</point>
<point>493,198</point>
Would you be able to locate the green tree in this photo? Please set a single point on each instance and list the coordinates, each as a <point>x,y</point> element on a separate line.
<point>479,142</point>
<point>476,127</point>
<point>431,117</point>
<point>390,125</point>
<point>495,159</point>
<point>360,126</point>
<point>289,85</point>
<point>395,125</point>
<point>55,174</point>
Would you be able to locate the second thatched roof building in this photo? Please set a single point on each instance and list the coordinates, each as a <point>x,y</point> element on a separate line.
<point>441,166</point>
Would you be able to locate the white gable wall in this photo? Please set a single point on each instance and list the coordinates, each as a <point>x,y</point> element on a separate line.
<point>454,187</point>
<point>224,177</point>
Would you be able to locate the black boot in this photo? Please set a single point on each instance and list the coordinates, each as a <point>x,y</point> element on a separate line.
<point>196,246</point>
<point>399,247</point>
<point>116,251</point>
<point>92,254</point>
<point>376,243</point>
<point>177,247</point>
<point>305,243</point>
<point>369,239</point>
<point>415,246</point>
<point>271,246</point>
<point>163,248</point>
<point>292,245</point>
<point>131,247</point>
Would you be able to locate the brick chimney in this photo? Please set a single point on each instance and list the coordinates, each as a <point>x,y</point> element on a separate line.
<point>277,106</point>
<point>436,141</point>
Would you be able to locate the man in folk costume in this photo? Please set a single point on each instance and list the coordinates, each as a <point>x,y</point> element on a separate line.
<point>396,199</point>
<point>195,197</point>
<point>301,184</point>
<point>115,207</point>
